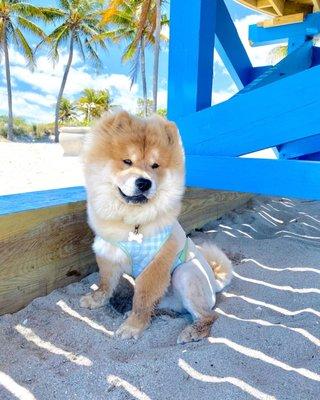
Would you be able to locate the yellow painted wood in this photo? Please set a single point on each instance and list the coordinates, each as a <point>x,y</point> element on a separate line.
<point>44,249</point>
<point>279,8</point>
<point>284,20</point>
<point>316,5</point>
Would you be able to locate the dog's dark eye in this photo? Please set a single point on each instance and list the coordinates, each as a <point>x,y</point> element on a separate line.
<point>154,166</point>
<point>128,162</point>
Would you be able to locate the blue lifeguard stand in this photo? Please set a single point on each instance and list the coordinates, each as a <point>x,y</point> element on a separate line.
<point>276,106</point>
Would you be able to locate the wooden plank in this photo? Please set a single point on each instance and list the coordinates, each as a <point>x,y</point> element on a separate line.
<point>316,5</point>
<point>283,20</point>
<point>263,118</point>
<point>40,250</point>
<point>230,48</point>
<point>290,178</point>
<point>278,6</point>
<point>252,4</point>
<point>201,206</point>
<point>190,56</point>
<point>263,4</point>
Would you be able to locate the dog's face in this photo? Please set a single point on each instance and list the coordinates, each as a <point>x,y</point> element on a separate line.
<point>134,165</point>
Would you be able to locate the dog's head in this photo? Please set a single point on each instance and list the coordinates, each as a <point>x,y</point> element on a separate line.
<point>134,166</point>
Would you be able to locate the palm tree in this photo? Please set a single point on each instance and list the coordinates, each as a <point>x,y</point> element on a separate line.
<point>67,110</point>
<point>157,39</point>
<point>79,27</point>
<point>15,17</point>
<point>137,22</point>
<point>93,103</point>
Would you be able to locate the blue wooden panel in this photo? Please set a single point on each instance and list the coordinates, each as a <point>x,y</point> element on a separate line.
<point>14,203</point>
<point>192,33</point>
<point>300,147</point>
<point>230,47</point>
<point>290,178</point>
<point>298,60</point>
<point>261,36</point>
<point>277,113</point>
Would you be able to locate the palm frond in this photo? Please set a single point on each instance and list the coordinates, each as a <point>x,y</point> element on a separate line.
<point>24,47</point>
<point>31,27</point>
<point>111,10</point>
<point>93,55</point>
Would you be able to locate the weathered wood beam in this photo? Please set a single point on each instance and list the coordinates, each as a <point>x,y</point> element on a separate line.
<point>190,56</point>
<point>292,178</point>
<point>263,118</point>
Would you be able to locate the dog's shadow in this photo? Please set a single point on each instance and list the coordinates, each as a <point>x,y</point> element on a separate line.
<point>122,300</point>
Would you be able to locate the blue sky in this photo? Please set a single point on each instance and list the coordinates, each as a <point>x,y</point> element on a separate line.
<point>35,92</point>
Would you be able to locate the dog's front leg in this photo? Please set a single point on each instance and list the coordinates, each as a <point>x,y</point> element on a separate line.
<point>109,278</point>
<point>150,286</point>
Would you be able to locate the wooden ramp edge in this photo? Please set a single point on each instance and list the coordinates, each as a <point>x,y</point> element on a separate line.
<point>45,242</point>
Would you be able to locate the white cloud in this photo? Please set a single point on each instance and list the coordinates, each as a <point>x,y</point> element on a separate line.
<point>223,95</point>
<point>259,56</point>
<point>162,98</point>
<point>45,80</point>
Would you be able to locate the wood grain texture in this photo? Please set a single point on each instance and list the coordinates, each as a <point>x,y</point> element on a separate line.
<point>41,250</point>
<point>201,206</point>
<point>47,248</point>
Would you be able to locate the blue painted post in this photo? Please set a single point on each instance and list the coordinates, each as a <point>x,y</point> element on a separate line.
<point>192,33</point>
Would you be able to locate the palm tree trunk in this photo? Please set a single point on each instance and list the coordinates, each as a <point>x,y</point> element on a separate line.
<point>143,76</point>
<point>156,55</point>
<point>9,90</point>
<point>63,84</point>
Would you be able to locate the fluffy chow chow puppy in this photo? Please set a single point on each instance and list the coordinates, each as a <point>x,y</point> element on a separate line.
<point>134,172</point>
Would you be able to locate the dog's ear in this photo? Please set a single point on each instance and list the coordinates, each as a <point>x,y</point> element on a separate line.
<point>122,120</point>
<point>171,132</point>
<point>116,121</point>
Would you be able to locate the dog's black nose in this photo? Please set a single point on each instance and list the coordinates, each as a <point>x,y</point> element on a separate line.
<point>143,184</point>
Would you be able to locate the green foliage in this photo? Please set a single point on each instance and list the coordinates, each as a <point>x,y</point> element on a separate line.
<point>140,109</point>
<point>130,21</point>
<point>16,19</point>
<point>20,126</point>
<point>93,103</point>
<point>80,21</point>
<point>67,111</point>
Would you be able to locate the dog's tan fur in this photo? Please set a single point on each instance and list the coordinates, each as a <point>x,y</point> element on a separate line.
<point>118,137</point>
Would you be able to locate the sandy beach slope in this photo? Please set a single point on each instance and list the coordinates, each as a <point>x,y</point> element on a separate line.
<point>264,345</point>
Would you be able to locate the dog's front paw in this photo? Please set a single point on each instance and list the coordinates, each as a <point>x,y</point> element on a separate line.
<point>131,328</point>
<point>94,300</point>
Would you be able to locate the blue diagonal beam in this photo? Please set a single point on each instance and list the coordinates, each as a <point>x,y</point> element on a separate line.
<point>290,178</point>
<point>301,147</point>
<point>280,112</point>
<point>299,60</point>
<point>230,47</point>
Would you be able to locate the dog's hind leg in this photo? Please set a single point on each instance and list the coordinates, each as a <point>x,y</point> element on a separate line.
<point>195,287</point>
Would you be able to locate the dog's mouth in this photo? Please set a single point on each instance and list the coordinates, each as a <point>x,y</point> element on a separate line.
<point>138,199</point>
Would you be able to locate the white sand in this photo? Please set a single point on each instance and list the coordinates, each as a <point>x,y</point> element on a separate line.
<point>264,345</point>
<point>27,167</point>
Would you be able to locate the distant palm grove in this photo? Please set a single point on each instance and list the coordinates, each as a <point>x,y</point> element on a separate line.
<point>89,27</point>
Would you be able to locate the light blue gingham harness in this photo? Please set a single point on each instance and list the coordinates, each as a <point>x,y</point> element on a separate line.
<point>141,254</point>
